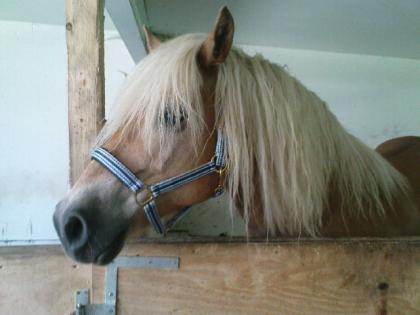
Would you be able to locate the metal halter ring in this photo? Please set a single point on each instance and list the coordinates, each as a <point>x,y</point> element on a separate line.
<point>219,169</point>
<point>149,198</point>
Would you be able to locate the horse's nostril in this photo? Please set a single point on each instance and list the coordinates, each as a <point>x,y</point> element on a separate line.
<point>75,231</point>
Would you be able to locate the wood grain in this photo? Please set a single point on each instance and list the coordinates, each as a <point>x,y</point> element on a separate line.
<point>352,277</point>
<point>86,97</point>
<point>39,280</point>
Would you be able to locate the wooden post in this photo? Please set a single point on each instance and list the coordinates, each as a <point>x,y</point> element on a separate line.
<point>86,98</point>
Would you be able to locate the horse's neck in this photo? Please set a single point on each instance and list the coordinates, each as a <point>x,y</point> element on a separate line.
<point>340,219</point>
<point>401,218</point>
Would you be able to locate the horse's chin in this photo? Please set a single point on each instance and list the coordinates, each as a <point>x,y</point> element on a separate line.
<point>111,251</point>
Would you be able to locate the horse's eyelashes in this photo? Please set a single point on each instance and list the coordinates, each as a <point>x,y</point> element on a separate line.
<point>169,118</point>
<point>175,120</point>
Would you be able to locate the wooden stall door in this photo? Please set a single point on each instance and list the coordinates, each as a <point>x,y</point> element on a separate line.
<point>39,280</point>
<point>329,277</point>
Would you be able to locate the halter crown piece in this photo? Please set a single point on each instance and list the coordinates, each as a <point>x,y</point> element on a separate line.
<point>216,165</point>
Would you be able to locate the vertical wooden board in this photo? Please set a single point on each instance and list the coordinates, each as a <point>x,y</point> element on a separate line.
<point>307,278</point>
<point>86,97</point>
<point>39,280</point>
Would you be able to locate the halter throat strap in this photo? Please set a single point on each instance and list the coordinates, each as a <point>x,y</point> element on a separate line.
<point>146,194</point>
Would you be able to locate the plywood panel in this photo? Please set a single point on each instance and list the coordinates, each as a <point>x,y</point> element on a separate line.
<point>39,280</point>
<point>329,277</point>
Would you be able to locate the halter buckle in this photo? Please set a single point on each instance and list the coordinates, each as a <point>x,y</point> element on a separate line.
<point>219,170</point>
<point>149,196</point>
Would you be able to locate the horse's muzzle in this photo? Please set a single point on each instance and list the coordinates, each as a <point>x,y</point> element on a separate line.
<point>73,230</point>
<point>86,235</point>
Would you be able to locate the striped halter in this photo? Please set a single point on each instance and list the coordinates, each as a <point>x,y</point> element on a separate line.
<point>146,194</point>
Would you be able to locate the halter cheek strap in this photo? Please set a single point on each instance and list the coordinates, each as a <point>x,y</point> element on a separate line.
<point>150,192</point>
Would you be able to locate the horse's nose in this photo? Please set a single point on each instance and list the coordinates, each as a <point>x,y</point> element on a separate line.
<point>75,232</point>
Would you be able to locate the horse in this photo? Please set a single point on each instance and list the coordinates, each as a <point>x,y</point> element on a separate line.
<point>197,116</point>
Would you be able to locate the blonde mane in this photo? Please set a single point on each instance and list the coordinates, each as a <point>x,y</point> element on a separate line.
<point>285,148</point>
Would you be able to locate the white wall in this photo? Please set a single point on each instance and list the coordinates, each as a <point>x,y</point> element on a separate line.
<point>34,163</point>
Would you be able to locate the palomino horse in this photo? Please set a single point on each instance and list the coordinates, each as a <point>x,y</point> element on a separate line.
<point>197,116</point>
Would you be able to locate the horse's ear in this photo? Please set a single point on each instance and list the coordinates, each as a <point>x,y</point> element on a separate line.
<point>216,47</point>
<point>152,42</point>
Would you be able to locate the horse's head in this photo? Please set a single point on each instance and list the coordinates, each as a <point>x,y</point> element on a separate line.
<point>162,125</point>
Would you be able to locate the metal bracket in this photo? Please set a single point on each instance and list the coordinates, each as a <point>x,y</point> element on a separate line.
<point>83,307</point>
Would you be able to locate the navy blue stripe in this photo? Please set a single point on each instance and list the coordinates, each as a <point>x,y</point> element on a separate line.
<point>150,208</point>
<point>113,169</point>
<point>185,175</point>
<point>183,179</point>
<point>152,220</point>
<point>118,165</point>
<point>121,167</point>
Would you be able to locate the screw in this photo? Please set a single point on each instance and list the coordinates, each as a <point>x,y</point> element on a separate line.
<point>110,294</point>
<point>69,26</point>
<point>383,286</point>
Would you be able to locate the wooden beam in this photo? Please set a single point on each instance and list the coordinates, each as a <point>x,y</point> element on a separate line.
<point>141,16</point>
<point>86,97</point>
<point>310,277</point>
<point>138,8</point>
<point>123,18</point>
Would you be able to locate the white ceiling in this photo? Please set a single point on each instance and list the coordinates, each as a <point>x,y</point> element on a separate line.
<point>374,27</point>
<point>38,11</point>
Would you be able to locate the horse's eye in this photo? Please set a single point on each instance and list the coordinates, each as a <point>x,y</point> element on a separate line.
<point>175,120</point>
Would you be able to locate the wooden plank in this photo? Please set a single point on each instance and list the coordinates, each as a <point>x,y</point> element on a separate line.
<point>86,98</point>
<point>332,277</point>
<point>39,280</point>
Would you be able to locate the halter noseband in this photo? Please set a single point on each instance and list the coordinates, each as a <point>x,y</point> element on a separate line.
<point>216,164</point>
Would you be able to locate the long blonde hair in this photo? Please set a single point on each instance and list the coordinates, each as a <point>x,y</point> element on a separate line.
<point>283,143</point>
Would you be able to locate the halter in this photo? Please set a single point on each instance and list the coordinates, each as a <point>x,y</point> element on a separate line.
<point>217,164</point>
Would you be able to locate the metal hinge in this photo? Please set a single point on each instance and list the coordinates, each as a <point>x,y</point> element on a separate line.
<point>83,307</point>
